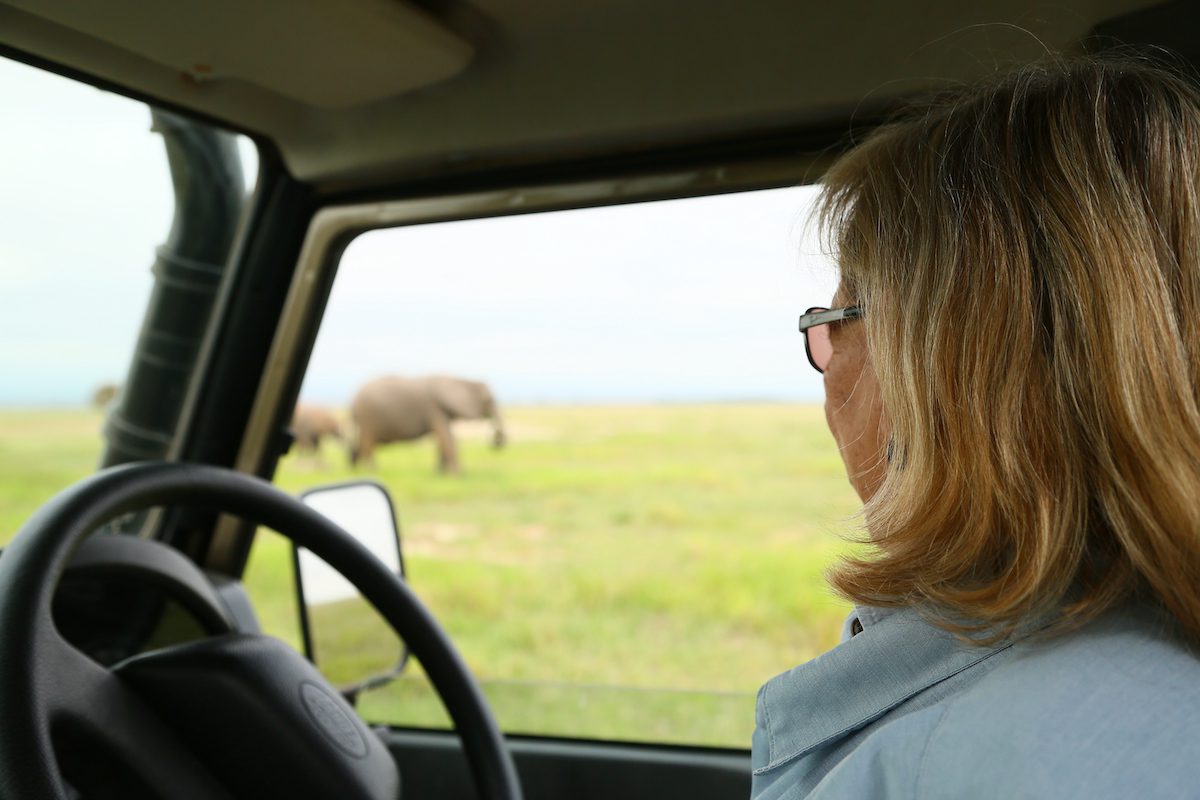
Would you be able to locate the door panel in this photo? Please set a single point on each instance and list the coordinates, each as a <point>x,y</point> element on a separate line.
<point>432,765</point>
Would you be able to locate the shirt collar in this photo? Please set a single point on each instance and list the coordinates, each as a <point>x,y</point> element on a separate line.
<point>896,656</point>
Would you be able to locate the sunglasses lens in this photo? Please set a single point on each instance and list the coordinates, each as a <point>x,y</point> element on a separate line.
<point>820,348</point>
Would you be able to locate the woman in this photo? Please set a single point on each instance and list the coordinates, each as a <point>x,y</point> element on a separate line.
<point>1011,373</point>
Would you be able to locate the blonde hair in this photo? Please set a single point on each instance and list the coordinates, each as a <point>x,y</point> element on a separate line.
<point>1027,253</point>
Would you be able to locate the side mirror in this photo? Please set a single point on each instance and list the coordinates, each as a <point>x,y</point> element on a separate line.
<point>344,636</point>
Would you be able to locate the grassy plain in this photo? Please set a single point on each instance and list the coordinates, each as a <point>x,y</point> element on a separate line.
<point>623,572</point>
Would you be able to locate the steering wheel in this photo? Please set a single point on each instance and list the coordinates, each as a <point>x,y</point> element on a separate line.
<point>219,717</point>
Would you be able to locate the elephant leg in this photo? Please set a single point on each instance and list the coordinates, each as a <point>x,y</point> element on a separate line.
<point>447,447</point>
<point>362,451</point>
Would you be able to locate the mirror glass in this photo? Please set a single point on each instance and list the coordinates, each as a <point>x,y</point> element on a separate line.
<point>343,634</point>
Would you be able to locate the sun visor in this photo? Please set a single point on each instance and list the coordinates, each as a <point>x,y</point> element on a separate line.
<point>321,53</point>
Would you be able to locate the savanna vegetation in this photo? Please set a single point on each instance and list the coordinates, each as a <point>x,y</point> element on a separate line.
<point>626,572</point>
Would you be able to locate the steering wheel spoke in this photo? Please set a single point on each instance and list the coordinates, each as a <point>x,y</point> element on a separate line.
<point>92,714</point>
<point>69,681</point>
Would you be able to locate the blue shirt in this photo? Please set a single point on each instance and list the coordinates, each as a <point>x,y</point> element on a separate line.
<point>905,710</point>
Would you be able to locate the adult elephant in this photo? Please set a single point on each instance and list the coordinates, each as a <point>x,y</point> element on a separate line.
<point>397,409</point>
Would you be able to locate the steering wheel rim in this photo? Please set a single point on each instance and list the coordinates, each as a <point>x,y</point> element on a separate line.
<point>33,563</point>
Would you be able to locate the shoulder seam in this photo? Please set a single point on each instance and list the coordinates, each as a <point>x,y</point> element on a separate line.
<point>920,775</point>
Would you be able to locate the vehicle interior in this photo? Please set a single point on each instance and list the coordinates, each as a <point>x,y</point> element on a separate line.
<point>367,116</point>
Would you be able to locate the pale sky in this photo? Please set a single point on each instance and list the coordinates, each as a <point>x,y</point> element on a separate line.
<point>690,300</point>
<point>684,300</point>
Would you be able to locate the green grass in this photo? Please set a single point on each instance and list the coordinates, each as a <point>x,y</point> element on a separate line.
<point>40,453</point>
<point>627,573</point>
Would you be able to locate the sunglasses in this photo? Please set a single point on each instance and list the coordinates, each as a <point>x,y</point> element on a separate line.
<point>814,324</point>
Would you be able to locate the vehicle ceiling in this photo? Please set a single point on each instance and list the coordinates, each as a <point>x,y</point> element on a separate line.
<point>363,93</point>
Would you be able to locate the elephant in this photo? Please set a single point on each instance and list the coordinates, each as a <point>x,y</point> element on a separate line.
<point>398,409</point>
<point>105,394</point>
<point>310,424</point>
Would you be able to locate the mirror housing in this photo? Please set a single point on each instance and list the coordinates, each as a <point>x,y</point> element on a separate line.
<point>344,636</point>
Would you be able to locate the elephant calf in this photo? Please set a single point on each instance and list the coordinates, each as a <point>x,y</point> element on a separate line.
<point>311,424</point>
<point>395,409</point>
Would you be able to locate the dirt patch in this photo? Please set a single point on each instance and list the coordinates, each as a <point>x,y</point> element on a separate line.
<point>438,538</point>
<point>518,546</point>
